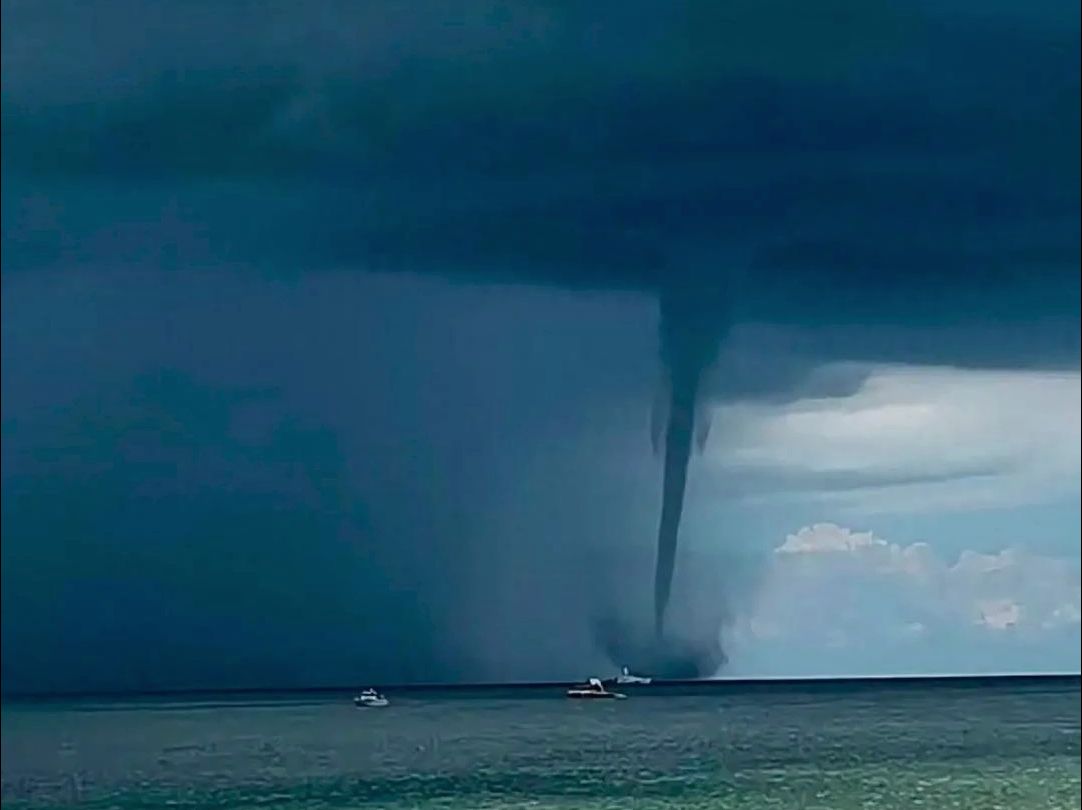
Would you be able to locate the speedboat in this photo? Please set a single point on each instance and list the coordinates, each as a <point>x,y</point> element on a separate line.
<point>370,699</point>
<point>625,678</point>
<point>593,689</point>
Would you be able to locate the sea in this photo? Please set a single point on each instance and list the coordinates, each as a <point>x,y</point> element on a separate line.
<point>974,743</point>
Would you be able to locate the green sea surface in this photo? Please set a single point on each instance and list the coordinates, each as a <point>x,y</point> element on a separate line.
<point>1003,744</point>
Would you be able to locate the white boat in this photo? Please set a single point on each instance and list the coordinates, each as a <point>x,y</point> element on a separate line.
<point>370,699</point>
<point>593,689</point>
<point>625,678</point>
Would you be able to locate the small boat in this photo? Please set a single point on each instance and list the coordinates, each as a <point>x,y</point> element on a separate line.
<point>625,678</point>
<point>593,690</point>
<point>370,699</point>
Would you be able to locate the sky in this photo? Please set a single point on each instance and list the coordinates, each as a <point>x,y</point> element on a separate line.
<point>331,337</point>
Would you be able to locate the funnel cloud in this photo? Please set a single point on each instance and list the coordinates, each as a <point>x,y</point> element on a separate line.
<point>690,334</point>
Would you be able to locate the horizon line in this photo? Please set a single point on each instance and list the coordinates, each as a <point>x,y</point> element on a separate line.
<point>762,681</point>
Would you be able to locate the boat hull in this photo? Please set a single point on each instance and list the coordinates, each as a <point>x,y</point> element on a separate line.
<point>378,703</point>
<point>585,694</point>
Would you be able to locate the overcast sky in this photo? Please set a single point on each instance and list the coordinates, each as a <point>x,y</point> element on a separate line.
<point>330,336</point>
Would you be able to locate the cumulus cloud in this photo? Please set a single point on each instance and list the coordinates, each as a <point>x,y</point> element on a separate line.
<point>909,438</point>
<point>838,600</point>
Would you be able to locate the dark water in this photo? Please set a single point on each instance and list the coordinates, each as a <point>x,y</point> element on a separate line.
<point>999,745</point>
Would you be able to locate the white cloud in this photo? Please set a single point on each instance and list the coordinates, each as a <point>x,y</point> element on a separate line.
<point>910,438</point>
<point>826,537</point>
<point>998,614</point>
<point>848,601</point>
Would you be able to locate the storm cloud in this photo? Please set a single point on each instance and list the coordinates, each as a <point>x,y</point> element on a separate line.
<point>840,182</point>
<point>763,146</point>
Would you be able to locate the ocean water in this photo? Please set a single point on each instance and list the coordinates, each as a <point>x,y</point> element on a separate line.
<point>1011,745</point>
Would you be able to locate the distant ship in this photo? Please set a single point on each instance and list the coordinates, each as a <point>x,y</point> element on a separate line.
<point>370,699</point>
<point>625,678</point>
<point>593,689</point>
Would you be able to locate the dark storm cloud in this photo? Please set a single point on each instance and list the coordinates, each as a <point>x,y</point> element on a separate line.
<point>762,153</point>
<point>539,142</point>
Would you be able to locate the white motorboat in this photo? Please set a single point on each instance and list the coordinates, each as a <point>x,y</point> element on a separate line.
<point>593,689</point>
<point>370,699</point>
<point>625,678</point>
